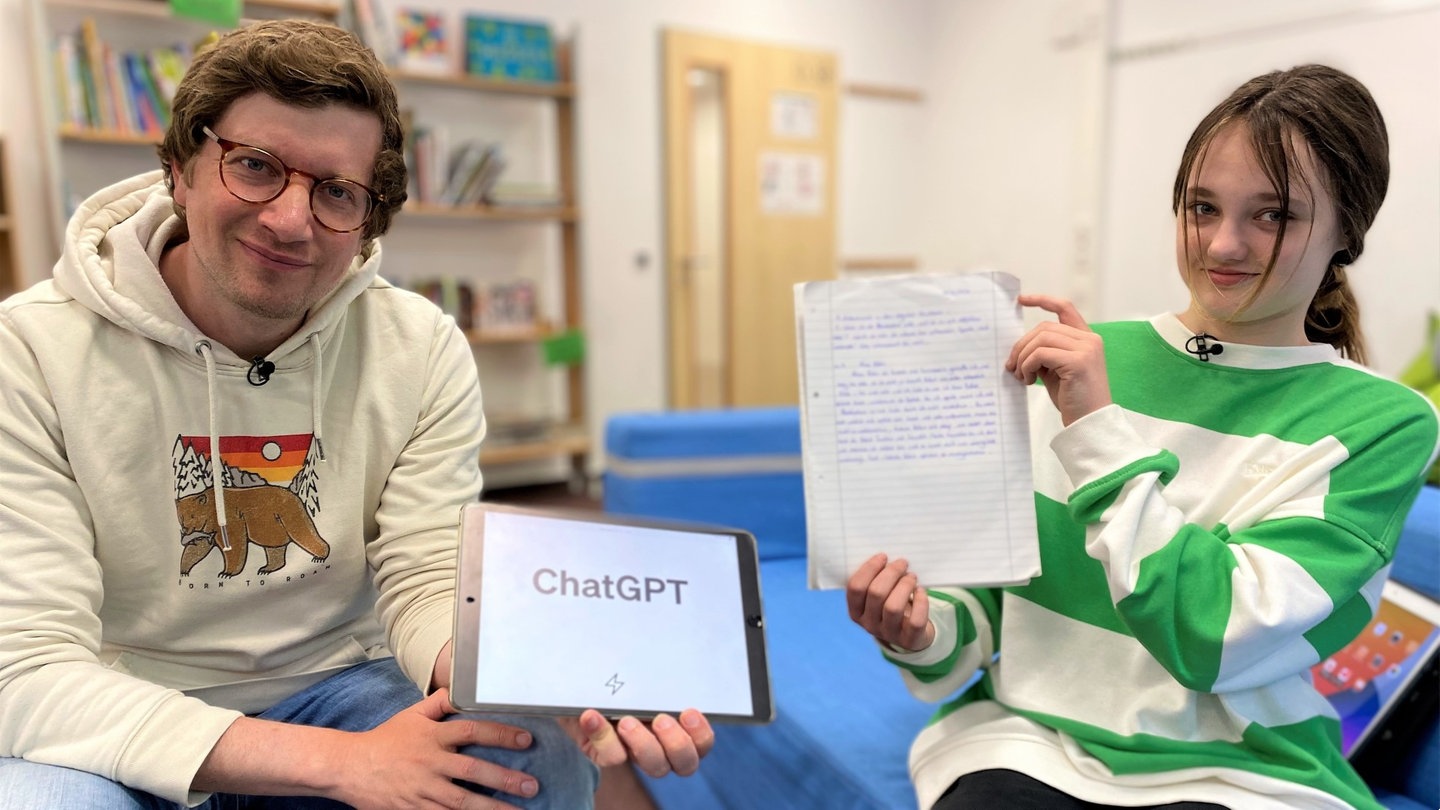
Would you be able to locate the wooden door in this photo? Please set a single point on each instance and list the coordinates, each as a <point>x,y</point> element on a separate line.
<point>733,258</point>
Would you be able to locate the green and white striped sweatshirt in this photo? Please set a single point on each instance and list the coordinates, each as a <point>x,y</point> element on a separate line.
<point>1204,541</point>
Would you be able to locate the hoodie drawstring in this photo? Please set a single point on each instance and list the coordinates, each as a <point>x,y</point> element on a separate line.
<point>217,465</point>
<point>317,402</point>
<point>217,474</point>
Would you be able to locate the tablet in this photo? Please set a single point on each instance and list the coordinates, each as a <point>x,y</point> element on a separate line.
<point>558,612</point>
<point>1372,680</point>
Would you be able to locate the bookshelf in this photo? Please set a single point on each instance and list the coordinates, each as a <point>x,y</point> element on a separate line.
<point>512,348</point>
<point>9,255</point>
<point>547,427</point>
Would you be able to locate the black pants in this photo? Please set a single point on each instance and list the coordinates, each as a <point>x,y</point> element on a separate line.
<point>1010,790</point>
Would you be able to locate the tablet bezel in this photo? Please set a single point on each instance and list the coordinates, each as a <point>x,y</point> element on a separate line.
<point>465,639</point>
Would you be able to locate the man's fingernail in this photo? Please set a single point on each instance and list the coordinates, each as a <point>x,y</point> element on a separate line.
<point>690,719</point>
<point>529,787</point>
<point>629,724</point>
<point>663,722</point>
<point>523,739</point>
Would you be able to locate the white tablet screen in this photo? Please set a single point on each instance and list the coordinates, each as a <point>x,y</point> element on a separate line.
<point>610,616</point>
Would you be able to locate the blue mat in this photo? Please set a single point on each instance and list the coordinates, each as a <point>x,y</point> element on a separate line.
<point>844,721</point>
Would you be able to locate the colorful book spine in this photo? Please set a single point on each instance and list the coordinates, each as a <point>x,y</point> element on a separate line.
<point>96,85</point>
<point>167,67</point>
<point>70,87</point>
<point>122,104</point>
<point>375,30</point>
<point>147,105</point>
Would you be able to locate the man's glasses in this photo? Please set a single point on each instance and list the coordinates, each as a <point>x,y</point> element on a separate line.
<point>256,176</point>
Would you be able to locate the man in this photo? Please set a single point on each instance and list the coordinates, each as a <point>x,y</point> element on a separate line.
<point>215,376</point>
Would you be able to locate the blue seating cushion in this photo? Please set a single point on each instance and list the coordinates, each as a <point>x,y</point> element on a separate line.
<point>704,433</point>
<point>736,468</point>
<point>844,720</point>
<point>1417,558</point>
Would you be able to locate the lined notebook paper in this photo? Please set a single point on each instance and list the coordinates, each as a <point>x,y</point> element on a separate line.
<point>915,439</point>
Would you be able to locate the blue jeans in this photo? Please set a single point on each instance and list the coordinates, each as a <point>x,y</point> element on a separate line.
<point>357,699</point>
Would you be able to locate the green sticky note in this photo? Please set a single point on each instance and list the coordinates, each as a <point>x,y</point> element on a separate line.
<point>564,349</point>
<point>218,12</point>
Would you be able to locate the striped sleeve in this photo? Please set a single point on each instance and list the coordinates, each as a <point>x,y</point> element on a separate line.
<point>1233,607</point>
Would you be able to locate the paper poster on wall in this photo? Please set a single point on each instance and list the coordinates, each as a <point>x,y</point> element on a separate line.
<point>794,115</point>
<point>792,183</point>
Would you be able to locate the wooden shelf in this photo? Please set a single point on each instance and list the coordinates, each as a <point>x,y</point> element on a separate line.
<point>109,136</point>
<point>522,334</point>
<point>318,9</point>
<point>566,440</point>
<point>159,8</point>
<point>500,213</point>
<point>524,441</point>
<point>547,89</point>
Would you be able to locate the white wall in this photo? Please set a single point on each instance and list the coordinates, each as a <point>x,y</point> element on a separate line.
<point>1010,169</point>
<point>1172,67</point>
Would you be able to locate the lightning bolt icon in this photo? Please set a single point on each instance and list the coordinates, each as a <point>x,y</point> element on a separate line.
<point>614,683</point>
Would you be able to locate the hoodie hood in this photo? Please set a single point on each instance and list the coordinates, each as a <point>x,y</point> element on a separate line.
<point>113,246</point>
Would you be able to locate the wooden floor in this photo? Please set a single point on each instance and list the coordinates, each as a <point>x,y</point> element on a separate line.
<point>620,788</point>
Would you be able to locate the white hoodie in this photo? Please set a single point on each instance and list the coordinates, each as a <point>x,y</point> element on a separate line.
<point>130,639</point>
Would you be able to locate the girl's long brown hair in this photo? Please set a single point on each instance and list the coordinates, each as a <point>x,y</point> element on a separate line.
<point>1332,113</point>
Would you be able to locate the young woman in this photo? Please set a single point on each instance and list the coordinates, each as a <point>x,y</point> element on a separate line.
<point>1218,492</point>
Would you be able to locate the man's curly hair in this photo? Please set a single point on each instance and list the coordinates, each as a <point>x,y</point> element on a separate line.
<point>308,64</point>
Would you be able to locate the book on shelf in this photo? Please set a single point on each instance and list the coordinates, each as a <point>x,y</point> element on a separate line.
<point>73,104</point>
<point>509,49</point>
<point>496,307</point>
<point>473,169</point>
<point>422,45</point>
<point>374,27</point>
<point>915,441</point>
<point>102,106</point>
<point>100,88</point>
<point>426,161</point>
<point>122,104</point>
<point>506,306</point>
<point>454,297</point>
<point>445,176</point>
<point>167,68</point>
<point>144,104</point>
